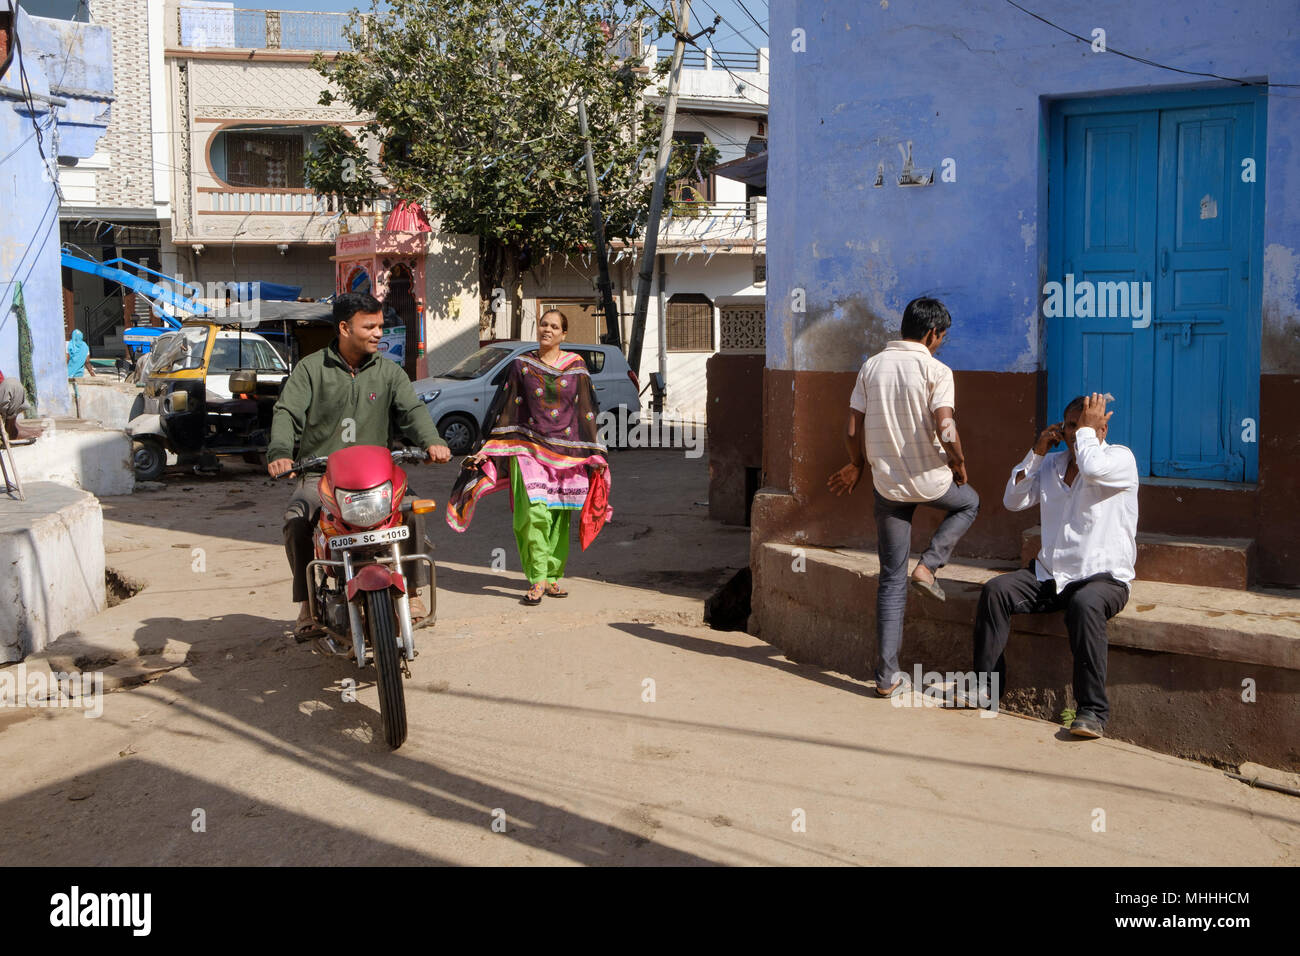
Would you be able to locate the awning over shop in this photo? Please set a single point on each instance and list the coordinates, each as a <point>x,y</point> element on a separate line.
<point>244,291</point>
<point>751,170</point>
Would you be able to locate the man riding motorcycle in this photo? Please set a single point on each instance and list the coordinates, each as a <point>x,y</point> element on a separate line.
<point>345,394</point>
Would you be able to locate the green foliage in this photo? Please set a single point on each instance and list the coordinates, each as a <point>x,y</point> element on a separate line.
<point>1067,716</point>
<point>688,170</point>
<point>474,106</point>
<point>340,167</point>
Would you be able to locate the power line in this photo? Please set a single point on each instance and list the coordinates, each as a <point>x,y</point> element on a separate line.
<point>742,6</point>
<point>1144,60</point>
<point>47,223</point>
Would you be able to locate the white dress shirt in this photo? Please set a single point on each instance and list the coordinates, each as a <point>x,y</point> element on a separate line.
<point>1089,527</point>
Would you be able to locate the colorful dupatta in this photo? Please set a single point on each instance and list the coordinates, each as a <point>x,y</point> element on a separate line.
<point>545,417</point>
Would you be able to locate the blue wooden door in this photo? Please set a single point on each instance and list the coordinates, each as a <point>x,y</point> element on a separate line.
<point>1150,211</point>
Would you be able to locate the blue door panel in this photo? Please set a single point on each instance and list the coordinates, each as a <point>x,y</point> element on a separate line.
<point>1203,237</point>
<point>1108,234</point>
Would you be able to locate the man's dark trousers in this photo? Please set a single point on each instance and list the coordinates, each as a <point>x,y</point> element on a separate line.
<point>300,518</point>
<point>1088,605</point>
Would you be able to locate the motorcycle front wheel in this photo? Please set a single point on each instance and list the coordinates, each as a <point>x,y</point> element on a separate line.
<point>382,624</point>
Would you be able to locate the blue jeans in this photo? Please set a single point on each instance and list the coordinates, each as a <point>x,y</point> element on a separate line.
<point>893,543</point>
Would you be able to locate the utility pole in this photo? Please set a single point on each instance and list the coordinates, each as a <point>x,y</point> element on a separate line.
<point>611,336</point>
<point>661,181</point>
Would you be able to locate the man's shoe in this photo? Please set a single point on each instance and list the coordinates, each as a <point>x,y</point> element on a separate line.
<point>961,695</point>
<point>1086,727</point>
<point>929,588</point>
<point>900,686</point>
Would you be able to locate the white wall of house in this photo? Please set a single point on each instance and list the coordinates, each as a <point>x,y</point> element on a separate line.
<point>727,279</point>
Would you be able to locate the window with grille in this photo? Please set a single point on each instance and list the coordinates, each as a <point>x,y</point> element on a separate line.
<point>690,323</point>
<point>267,160</point>
<point>743,328</point>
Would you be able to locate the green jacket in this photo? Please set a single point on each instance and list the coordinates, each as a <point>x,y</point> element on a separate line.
<point>323,393</point>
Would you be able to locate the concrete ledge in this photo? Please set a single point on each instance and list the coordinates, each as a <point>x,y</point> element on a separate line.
<point>51,566</point>
<point>1177,559</point>
<point>79,454</point>
<point>1182,659</point>
<point>105,400</point>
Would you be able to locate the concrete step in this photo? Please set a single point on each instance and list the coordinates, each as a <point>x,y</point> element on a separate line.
<point>1177,559</point>
<point>1207,673</point>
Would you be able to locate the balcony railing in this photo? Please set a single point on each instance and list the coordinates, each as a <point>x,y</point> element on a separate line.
<point>716,220</point>
<point>277,202</point>
<point>201,28</point>
<point>754,61</point>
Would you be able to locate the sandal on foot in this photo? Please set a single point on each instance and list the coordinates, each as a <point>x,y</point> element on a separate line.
<point>929,587</point>
<point>554,590</point>
<point>534,595</point>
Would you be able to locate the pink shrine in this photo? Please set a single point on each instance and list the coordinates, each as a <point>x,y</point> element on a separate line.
<point>389,263</point>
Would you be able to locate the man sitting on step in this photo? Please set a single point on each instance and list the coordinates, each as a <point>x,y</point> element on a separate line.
<point>1087,496</point>
<point>13,400</point>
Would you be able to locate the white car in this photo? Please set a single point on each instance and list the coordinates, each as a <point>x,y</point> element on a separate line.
<point>459,399</point>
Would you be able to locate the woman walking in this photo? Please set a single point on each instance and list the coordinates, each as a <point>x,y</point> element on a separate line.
<point>542,445</point>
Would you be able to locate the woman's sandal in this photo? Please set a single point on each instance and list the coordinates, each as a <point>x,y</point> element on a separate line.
<point>554,590</point>
<point>534,595</point>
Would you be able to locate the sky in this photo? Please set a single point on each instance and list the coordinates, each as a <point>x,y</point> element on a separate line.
<point>736,34</point>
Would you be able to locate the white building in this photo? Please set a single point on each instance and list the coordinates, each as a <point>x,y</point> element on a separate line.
<point>245,108</point>
<point>117,203</point>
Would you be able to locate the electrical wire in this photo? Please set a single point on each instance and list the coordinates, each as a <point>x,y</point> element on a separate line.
<point>741,4</point>
<point>48,222</point>
<point>1144,60</point>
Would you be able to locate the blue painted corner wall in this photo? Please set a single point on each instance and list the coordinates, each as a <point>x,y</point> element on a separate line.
<point>971,82</point>
<point>70,62</point>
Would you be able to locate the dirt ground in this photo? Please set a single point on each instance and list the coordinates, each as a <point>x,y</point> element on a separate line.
<point>610,727</point>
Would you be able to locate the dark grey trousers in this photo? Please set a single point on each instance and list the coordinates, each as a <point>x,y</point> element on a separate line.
<point>1088,605</point>
<point>300,517</point>
<point>893,543</point>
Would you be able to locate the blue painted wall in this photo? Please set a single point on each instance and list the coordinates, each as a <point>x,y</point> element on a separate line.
<point>76,60</point>
<point>969,80</point>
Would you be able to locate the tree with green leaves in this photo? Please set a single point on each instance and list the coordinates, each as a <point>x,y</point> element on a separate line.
<point>472,105</point>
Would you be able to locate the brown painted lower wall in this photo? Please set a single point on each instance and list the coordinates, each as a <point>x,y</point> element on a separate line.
<point>998,415</point>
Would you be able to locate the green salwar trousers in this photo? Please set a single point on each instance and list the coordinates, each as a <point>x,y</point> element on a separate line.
<point>542,533</point>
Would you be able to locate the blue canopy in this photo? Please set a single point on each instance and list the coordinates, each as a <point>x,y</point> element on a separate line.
<point>245,291</point>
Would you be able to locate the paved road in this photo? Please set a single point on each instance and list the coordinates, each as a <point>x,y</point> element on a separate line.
<point>539,719</point>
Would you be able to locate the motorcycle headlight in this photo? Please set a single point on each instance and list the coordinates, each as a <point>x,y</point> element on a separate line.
<point>364,509</point>
<point>429,396</point>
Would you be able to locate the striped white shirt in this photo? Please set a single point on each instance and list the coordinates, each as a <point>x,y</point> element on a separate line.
<point>898,390</point>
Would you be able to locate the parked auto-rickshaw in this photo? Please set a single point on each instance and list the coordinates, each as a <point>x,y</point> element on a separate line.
<point>210,387</point>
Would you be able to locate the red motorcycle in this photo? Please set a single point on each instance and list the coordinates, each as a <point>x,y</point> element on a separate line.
<point>356,589</point>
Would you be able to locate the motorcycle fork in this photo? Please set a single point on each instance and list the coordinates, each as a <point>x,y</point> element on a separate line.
<point>402,607</point>
<point>354,615</point>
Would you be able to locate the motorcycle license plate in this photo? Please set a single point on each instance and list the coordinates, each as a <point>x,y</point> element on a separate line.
<point>341,541</point>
